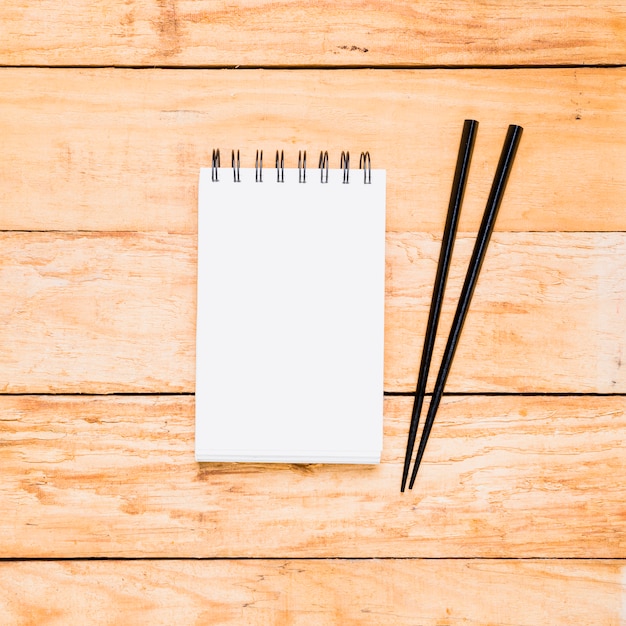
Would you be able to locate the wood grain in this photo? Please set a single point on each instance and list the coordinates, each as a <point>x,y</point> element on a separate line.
<point>547,314</point>
<point>359,32</point>
<point>107,313</point>
<point>538,480</point>
<point>315,593</point>
<point>121,149</point>
<point>115,312</point>
<point>502,477</point>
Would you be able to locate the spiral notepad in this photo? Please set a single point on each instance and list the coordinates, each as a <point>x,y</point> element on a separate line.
<point>290,320</point>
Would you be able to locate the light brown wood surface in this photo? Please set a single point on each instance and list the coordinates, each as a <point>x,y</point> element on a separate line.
<point>296,33</point>
<point>518,514</point>
<point>314,593</point>
<point>548,313</point>
<point>104,312</point>
<point>502,477</point>
<point>115,312</point>
<point>118,149</point>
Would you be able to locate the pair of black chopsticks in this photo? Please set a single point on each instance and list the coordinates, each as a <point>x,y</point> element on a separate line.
<point>498,186</point>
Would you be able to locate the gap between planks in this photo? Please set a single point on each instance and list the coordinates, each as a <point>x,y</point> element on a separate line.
<point>299,68</point>
<point>527,559</point>
<point>387,394</point>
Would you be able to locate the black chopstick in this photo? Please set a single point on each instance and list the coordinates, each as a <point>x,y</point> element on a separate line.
<point>464,158</point>
<point>503,171</point>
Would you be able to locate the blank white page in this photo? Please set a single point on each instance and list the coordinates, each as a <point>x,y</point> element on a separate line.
<point>290,323</point>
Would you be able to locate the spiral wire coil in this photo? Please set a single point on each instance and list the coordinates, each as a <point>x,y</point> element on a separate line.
<point>215,164</point>
<point>235,164</point>
<point>323,165</point>
<point>301,166</point>
<point>345,166</point>
<point>365,164</point>
<point>280,167</point>
<point>258,167</point>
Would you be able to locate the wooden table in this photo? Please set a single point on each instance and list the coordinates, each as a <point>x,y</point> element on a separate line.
<point>108,110</point>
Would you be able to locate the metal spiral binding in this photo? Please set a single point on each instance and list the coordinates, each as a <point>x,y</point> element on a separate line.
<point>345,166</point>
<point>215,163</point>
<point>235,164</point>
<point>365,164</point>
<point>301,166</point>
<point>280,167</point>
<point>258,167</point>
<point>323,165</point>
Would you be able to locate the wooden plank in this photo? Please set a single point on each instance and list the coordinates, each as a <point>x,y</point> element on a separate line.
<point>502,477</point>
<point>316,593</point>
<point>121,149</point>
<point>110,313</point>
<point>259,32</point>
<point>547,314</point>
